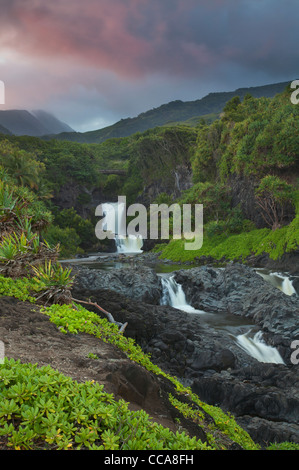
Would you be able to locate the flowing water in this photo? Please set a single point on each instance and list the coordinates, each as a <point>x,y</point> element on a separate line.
<point>173,294</point>
<point>257,348</point>
<point>279,280</point>
<point>115,215</point>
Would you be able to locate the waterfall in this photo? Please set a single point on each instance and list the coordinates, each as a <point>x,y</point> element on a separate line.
<point>130,244</point>
<point>287,287</point>
<point>258,349</point>
<point>115,215</point>
<point>280,281</point>
<point>174,295</point>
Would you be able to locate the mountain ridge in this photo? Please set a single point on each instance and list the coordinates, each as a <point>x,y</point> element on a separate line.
<point>32,123</point>
<point>174,111</point>
<point>44,125</point>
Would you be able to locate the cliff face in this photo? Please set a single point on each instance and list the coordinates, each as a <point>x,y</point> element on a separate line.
<point>243,194</point>
<point>176,181</point>
<point>82,198</point>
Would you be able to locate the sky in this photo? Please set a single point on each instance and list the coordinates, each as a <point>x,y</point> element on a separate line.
<point>94,62</point>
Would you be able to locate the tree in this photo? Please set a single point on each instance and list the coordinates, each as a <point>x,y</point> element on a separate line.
<point>272,196</point>
<point>21,165</point>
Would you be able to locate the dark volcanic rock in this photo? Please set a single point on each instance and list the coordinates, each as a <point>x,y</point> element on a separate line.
<point>139,284</point>
<point>238,290</point>
<point>267,392</point>
<point>264,397</point>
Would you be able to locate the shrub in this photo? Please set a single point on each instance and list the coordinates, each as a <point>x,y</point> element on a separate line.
<point>55,283</point>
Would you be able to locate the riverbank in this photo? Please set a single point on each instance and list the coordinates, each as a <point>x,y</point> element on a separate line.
<point>119,399</point>
<point>202,349</point>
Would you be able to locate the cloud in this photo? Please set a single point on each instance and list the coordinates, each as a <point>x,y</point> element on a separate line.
<point>111,59</point>
<point>134,38</point>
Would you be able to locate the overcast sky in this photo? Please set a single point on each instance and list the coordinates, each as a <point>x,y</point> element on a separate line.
<point>94,62</point>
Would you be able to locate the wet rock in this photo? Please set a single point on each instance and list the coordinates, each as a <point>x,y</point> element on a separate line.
<point>139,284</point>
<point>207,358</point>
<point>239,290</point>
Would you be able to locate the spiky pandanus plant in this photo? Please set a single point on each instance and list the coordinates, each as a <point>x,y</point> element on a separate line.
<point>55,283</point>
<point>20,251</point>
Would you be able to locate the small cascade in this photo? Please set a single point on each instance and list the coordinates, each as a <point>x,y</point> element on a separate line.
<point>130,244</point>
<point>287,287</point>
<point>115,215</point>
<point>280,281</point>
<point>174,296</point>
<point>258,349</point>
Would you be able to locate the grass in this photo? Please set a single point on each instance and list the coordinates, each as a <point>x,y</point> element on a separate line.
<point>239,246</point>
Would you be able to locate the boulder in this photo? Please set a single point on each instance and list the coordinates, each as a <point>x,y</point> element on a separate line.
<point>140,283</point>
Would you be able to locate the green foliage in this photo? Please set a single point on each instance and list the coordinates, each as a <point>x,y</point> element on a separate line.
<point>22,166</point>
<point>283,446</point>
<point>55,282</point>
<point>21,288</point>
<point>112,184</point>
<point>272,195</point>
<point>51,275</point>
<point>255,140</point>
<point>18,252</point>
<point>19,206</point>
<point>141,433</point>
<point>208,152</point>
<point>218,246</point>
<point>263,138</point>
<point>215,198</point>
<point>232,109</point>
<point>158,151</point>
<point>69,219</point>
<point>67,238</point>
<point>43,409</point>
<point>221,245</point>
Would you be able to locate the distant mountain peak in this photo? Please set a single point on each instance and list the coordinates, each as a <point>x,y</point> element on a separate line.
<point>32,123</point>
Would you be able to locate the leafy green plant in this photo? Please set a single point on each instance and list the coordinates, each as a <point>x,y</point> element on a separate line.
<point>21,288</point>
<point>54,412</point>
<point>56,282</point>
<point>19,250</point>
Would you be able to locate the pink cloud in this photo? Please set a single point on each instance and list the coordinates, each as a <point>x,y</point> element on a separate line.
<point>130,38</point>
<point>90,32</point>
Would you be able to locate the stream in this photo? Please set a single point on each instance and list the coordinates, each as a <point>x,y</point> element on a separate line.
<point>243,333</point>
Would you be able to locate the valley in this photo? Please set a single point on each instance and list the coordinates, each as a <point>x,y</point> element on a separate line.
<point>213,326</point>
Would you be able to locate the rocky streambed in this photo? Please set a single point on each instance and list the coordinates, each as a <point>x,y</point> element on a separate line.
<point>202,347</point>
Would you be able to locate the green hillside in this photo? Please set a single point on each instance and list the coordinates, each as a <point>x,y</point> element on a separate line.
<point>245,173</point>
<point>175,111</point>
<point>236,165</point>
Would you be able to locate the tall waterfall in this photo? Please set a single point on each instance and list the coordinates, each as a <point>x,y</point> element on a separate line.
<point>258,349</point>
<point>174,295</point>
<point>115,214</point>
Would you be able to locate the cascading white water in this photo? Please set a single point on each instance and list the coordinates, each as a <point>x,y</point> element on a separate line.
<point>287,287</point>
<point>280,281</point>
<point>174,295</point>
<point>115,215</point>
<point>258,349</point>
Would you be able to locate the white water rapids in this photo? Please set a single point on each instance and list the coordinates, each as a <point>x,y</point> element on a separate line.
<point>258,349</point>
<point>173,295</point>
<point>281,281</point>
